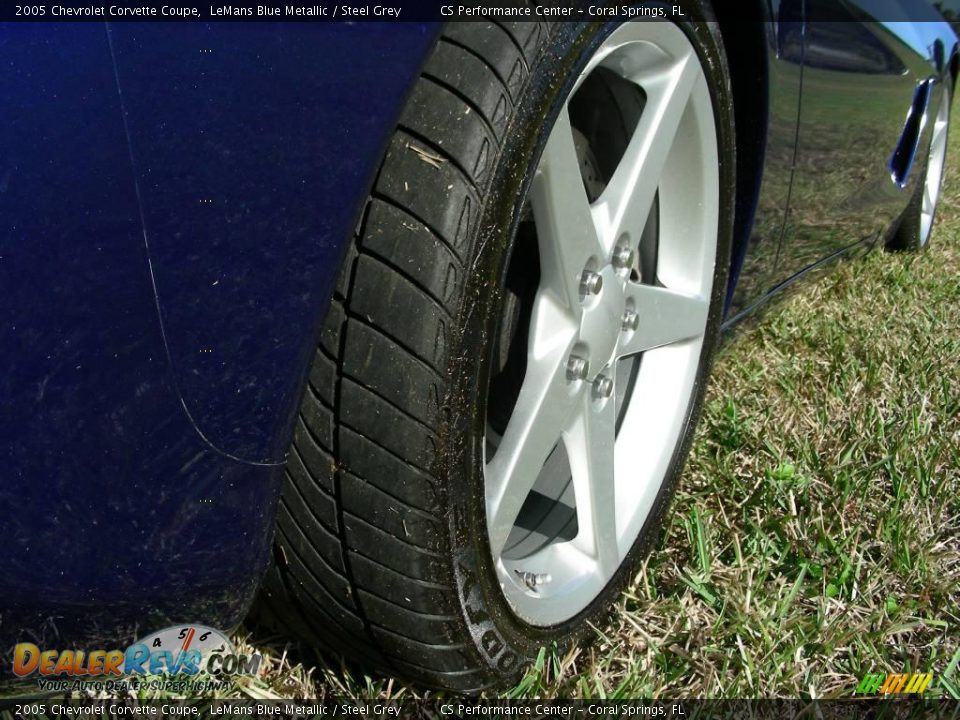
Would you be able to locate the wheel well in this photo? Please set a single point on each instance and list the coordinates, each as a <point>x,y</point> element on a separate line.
<point>747,59</point>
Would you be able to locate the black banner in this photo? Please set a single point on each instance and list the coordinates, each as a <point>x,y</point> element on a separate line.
<point>892,709</point>
<point>441,11</point>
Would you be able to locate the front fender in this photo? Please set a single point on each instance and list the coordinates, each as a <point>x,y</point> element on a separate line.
<point>254,147</point>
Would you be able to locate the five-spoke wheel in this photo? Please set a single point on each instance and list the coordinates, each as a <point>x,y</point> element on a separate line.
<point>615,328</point>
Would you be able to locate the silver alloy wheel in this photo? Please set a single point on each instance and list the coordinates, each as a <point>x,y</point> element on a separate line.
<point>591,315</point>
<point>935,164</point>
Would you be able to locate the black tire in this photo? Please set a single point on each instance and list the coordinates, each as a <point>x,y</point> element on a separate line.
<point>381,551</point>
<point>910,235</point>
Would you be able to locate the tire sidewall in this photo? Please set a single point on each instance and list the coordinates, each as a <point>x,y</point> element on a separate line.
<point>504,641</point>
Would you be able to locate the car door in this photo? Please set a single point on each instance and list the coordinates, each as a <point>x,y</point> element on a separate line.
<point>859,83</point>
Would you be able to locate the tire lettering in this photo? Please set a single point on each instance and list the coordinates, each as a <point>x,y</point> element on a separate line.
<point>475,615</point>
<point>491,643</point>
<point>469,580</point>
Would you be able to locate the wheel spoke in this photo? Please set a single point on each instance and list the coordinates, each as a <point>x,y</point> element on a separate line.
<point>626,201</point>
<point>590,446</point>
<point>565,230</point>
<point>539,418</point>
<point>664,317</point>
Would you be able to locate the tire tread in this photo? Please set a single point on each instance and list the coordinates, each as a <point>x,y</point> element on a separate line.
<point>362,539</point>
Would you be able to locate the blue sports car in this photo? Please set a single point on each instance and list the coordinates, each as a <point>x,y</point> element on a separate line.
<point>399,332</point>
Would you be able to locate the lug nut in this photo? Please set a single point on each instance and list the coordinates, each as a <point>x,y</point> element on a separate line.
<point>630,321</point>
<point>533,580</point>
<point>603,387</point>
<point>577,368</point>
<point>623,257</point>
<point>590,283</point>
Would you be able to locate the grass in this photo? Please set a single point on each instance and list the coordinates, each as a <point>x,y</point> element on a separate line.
<point>816,533</point>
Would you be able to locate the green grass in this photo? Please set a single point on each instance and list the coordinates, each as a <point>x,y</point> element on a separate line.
<point>816,533</point>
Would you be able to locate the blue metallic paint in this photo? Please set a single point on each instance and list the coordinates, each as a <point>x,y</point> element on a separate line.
<point>753,269</point>
<point>121,497</point>
<point>859,81</point>
<point>248,196</point>
<point>831,193</point>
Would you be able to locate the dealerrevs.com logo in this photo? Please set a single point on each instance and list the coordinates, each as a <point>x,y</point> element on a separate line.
<point>182,651</point>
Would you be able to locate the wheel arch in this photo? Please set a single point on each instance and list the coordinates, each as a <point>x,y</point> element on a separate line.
<point>745,46</point>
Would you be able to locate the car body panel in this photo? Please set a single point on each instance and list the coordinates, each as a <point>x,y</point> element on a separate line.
<point>248,196</point>
<point>860,78</point>
<point>135,488</point>
<point>254,146</point>
<point>754,272</point>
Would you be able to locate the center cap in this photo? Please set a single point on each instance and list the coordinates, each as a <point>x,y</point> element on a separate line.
<point>600,321</point>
